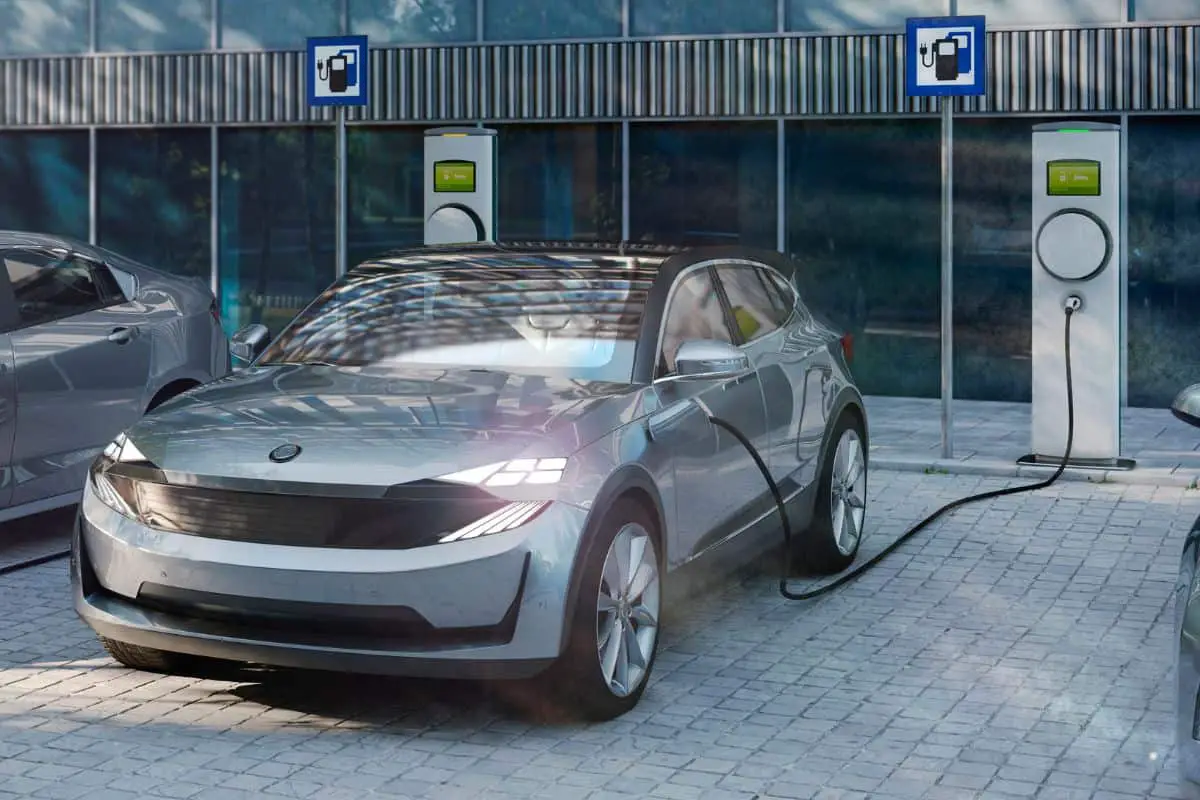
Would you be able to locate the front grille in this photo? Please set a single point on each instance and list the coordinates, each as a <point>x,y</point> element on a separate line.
<point>410,516</point>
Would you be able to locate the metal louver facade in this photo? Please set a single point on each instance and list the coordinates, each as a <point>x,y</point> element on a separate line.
<point>1127,68</point>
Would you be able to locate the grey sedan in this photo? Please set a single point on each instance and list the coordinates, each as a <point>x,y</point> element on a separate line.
<point>90,341</point>
<point>477,461</point>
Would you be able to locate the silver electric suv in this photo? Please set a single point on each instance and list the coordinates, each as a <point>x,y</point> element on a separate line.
<point>477,461</point>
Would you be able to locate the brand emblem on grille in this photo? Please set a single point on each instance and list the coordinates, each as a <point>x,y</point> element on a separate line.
<point>285,452</point>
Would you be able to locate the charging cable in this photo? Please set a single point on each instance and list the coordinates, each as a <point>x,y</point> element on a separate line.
<point>1072,305</point>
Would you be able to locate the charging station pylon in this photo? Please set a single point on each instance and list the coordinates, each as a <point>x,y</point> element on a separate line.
<point>460,185</point>
<point>1077,254</point>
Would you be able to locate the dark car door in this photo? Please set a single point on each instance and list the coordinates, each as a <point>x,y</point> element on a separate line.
<point>81,373</point>
<point>715,478</point>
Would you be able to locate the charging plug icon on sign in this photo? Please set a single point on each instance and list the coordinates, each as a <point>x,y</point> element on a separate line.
<point>338,71</point>
<point>950,57</point>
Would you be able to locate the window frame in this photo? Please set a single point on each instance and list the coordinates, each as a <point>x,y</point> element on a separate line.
<point>105,298</point>
<point>780,287</point>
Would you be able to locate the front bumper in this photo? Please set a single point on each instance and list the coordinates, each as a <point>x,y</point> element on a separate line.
<point>490,607</point>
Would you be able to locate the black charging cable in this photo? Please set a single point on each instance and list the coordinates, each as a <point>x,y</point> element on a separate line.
<point>1070,309</point>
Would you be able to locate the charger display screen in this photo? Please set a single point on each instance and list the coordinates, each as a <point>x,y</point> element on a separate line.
<point>454,176</point>
<point>1073,178</point>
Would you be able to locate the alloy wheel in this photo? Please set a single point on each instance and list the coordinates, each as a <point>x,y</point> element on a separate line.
<point>627,610</point>
<point>849,489</point>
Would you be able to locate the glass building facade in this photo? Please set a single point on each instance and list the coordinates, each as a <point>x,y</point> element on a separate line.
<point>176,131</point>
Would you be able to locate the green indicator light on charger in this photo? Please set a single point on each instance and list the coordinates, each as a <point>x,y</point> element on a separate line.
<point>1073,130</point>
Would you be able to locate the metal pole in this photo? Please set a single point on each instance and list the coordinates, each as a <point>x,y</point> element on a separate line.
<point>781,185</point>
<point>214,217</point>
<point>93,187</point>
<point>342,214</point>
<point>625,181</point>
<point>947,277</point>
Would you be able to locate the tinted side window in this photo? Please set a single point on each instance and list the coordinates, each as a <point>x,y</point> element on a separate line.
<point>694,313</point>
<point>756,307</point>
<point>49,288</point>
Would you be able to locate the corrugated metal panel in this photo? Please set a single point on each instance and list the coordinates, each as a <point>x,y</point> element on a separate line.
<point>1086,70</point>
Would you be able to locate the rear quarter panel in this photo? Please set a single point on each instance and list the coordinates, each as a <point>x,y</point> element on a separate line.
<point>187,342</point>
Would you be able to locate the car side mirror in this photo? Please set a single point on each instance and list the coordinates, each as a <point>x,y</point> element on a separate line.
<point>1186,405</point>
<point>249,342</point>
<point>708,358</point>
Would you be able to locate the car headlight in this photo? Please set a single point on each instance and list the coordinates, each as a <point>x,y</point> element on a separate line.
<point>116,491</point>
<point>123,451</point>
<point>511,516</point>
<point>520,472</point>
<point>511,479</point>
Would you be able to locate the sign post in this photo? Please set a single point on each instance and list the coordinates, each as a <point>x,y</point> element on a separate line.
<point>945,57</point>
<point>338,75</point>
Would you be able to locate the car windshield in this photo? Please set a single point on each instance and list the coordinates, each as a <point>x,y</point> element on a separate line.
<point>560,315</point>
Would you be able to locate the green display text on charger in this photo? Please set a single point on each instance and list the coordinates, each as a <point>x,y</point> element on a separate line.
<point>454,176</point>
<point>1077,178</point>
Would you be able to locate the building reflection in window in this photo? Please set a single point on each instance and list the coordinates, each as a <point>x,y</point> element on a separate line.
<point>414,21</point>
<point>574,316</point>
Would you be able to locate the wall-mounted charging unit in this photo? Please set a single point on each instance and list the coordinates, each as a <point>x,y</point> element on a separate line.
<point>1076,261</point>
<point>460,185</point>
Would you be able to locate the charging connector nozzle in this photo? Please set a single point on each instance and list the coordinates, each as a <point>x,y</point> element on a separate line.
<point>1073,303</point>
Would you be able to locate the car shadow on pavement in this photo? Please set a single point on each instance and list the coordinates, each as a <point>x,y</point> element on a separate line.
<point>384,702</point>
<point>35,536</point>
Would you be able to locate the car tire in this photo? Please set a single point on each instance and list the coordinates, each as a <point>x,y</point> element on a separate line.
<point>831,542</point>
<point>149,659</point>
<point>598,678</point>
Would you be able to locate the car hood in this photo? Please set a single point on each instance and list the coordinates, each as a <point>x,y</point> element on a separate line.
<point>360,429</point>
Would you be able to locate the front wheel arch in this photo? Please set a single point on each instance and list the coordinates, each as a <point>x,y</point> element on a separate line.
<point>573,680</point>
<point>630,482</point>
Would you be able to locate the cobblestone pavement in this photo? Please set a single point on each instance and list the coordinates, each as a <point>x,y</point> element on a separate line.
<point>1020,648</point>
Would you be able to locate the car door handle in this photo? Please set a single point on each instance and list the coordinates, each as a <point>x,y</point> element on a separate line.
<point>121,335</point>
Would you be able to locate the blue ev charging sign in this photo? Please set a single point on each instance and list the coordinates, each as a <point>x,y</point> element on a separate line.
<point>945,56</point>
<point>338,71</point>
